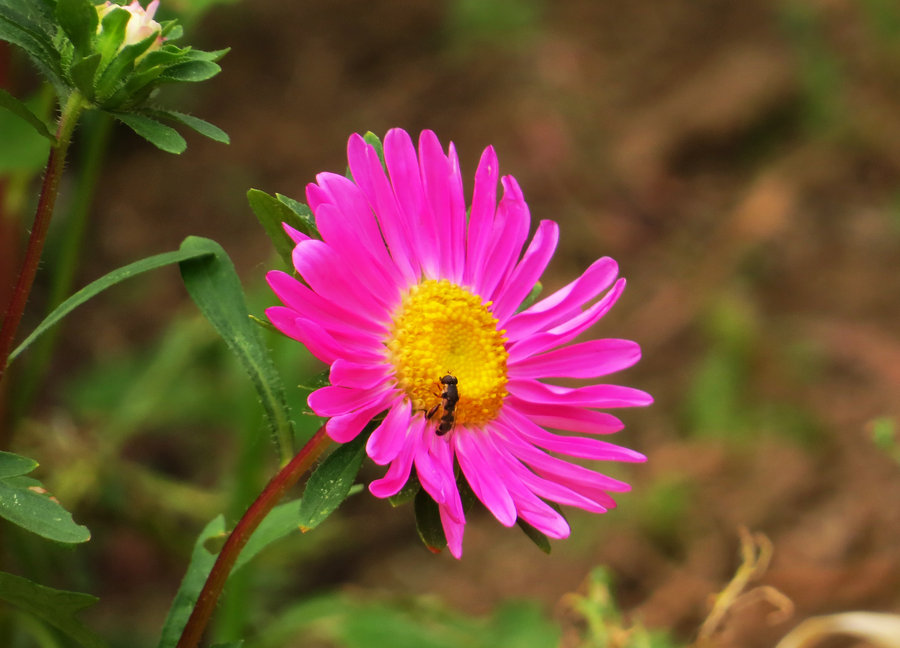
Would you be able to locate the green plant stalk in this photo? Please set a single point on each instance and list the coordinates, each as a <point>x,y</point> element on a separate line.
<point>270,496</point>
<point>56,161</point>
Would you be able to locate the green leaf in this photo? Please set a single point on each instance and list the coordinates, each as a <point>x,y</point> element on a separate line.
<point>120,67</point>
<point>106,281</point>
<point>55,607</point>
<point>281,521</point>
<point>24,501</point>
<point>191,71</point>
<point>162,136</point>
<point>78,18</point>
<point>428,522</point>
<point>410,489</point>
<point>112,32</point>
<point>330,484</point>
<point>537,537</point>
<point>20,109</point>
<point>306,220</point>
<point>36,41</point>
<point>23,150</point>
<point>83,73</point>
<point>271,213</point>
<point>13,465</point>
<point>198,569</point>
<point>214,286</point>
<point>375,141</point>
<point>202,126</point>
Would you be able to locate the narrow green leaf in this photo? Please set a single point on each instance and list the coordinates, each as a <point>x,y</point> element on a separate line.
<point>271,214</point>
<point>162,136</point>
<point>428,522</point>
<point>78,18</point>
<point>12,465</point>
<point>280,522</point>
<point>191,71</point>
<point>83,73</point>
<point>330,484</point>
<point>202,126</point>
<point>120,67</point>
<point>537,537</point>
<point>104,282</point>
<point>23,501</point>
<point>216,289</point>
<point>56,607</point>
<point>23,149</point>
<point>198,569</point>
<point>20,109</point>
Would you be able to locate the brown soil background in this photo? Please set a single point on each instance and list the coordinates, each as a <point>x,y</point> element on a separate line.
<point>729,159</point>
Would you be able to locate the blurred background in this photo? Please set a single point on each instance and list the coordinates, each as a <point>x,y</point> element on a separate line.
<point>741,162</point>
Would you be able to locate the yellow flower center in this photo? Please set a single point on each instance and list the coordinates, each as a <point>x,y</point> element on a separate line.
<point>441,328</point>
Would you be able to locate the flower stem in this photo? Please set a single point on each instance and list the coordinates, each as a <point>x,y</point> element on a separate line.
<point>271,494</point>
<point>49,190</point>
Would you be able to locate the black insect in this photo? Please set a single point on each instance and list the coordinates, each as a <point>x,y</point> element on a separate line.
<point>449,399</point>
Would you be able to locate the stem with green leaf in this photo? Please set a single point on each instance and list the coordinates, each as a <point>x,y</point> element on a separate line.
<point>270,496</point>
<point>71,111</point>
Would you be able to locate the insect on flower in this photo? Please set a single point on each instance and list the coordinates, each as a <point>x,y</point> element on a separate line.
<point>449,399</point>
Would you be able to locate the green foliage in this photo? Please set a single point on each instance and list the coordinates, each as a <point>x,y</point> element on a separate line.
<point>78,51</point>
<point>107,281</point>
<point>213,284</point>
<point>428,522</point>
<point>347,621</point>
<point>272,211</point>
<point>25,502</point>
<point>201,564</point>
<point>22,111</point>
<point>55,607</point>
<point>330,484</point>
<point>884,434</point>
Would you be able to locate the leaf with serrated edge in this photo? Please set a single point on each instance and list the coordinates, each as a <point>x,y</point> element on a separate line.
<point>56,607</point>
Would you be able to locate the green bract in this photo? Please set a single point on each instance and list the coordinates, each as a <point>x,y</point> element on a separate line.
<point>115,57</point>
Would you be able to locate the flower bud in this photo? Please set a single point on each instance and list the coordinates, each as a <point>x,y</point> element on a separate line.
<point>140,25</point>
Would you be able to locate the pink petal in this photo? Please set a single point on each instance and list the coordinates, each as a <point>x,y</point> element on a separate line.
<point>398,473</point>
<point>446,223</point>
<point>566,417</point>
<point>598,396</point>
<point>566,302</point>
<point>345,373</point>
<point>566,332</point>
<point>508,234</point>
<point>333,401</point>
<point>296,235</point>
<point>369,175</point>
<point>388,439</point>
<point>586,360</point>
<point>453,531</point>
<point>583,447</point>
<point>527,273</point>
<point>328,274</point>
<point>481,473</point>
<point>481,216</point>
<point>317,340</point>
<point>346,427</point>
<point>403,165</point>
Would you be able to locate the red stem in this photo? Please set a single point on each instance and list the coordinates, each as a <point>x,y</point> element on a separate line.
<point>271,494</point>
<point>49,190</point>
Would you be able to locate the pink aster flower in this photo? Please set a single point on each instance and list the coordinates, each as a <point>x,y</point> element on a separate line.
<point>407,287</point>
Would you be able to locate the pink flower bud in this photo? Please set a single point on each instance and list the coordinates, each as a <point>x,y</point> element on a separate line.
<point>140,25</point>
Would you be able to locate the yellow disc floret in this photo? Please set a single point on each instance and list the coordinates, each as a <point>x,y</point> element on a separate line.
<point>441,328</point>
